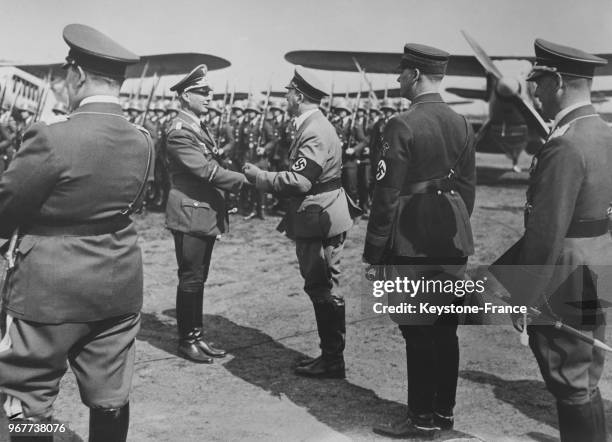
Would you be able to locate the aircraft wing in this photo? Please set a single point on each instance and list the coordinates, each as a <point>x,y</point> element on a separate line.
<point>472,94</point>
<point>601,96</point>
<point>383,62</point>
<point>162,64</point>
<point>387,62</point>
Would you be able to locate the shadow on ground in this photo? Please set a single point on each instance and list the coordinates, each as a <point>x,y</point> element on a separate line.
<point>529,397</point>
<point>268,364</point>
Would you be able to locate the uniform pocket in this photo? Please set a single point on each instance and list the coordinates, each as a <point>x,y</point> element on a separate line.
<point>16,282</point>
<point>308,222</point>
<point>202,218</point>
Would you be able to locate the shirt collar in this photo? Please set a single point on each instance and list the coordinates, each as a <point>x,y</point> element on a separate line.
<point>563,112</point>
<point>190,116</point>
<point>99,99</point>
<point>300,120</point>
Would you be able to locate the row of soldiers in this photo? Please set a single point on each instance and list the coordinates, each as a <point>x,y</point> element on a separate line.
<point>14,121</point>
<point>246,131</point>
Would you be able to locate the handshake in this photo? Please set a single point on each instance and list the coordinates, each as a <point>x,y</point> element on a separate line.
<point>250,171</point>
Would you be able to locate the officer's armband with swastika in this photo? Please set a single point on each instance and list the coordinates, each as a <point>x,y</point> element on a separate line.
<point>307,168</point>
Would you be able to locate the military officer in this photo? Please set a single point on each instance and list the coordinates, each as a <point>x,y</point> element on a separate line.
<point>195,211</point>
<point>317,219</point>
<point>419,223</point>
<point>563,264</point>
<point>75,292</point>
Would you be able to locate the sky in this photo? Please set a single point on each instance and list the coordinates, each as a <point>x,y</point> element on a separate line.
<point>254,35</point>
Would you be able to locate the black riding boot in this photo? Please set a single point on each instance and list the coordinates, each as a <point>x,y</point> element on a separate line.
<point>204,346</point>
<point>109,425</point>
<point>582,422</point>
<point>186,309</point>
<point>331,327</point>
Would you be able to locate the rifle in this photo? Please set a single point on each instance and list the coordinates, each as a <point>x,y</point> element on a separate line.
<point>365,77</point>
<point>331,99</point>
<point>263,117</point>
<point>3,94</point>
<point>353,118</point>
<point>142,77</point>
<point>231,103</point>
<point>150,98</point>
<point>42,100</point>
<point>221,117</point>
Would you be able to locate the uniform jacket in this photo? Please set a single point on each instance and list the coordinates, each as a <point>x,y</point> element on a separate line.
<point>570,180</point>
<point>196,203</point>
<point>421,144</point>
<point>315,157</point>
<point>86,168</point>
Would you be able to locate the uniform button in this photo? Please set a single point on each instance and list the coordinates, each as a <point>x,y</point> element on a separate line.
<point>195,204</point>
<point>452,192</point>
<point>439,192</point>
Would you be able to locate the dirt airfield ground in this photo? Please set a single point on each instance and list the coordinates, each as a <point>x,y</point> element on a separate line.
<point>256,309</point>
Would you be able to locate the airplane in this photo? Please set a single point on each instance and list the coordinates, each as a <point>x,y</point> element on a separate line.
<point>36,78</point>
<point>512,124</point>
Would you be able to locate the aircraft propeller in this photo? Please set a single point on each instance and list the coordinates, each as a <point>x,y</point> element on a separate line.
<point>508,88</point>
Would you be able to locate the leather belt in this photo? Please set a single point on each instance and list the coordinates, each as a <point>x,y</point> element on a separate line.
<point>430,186</point>
<point>91,228</point>
<point>588,228</point>
<point>327,186</point>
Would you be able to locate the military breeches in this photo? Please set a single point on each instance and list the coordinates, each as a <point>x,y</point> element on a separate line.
<point>319,261</point>
<point>33,360</point>
<point>193,256</point>
<point>570,367</point>
<point>349,179</point>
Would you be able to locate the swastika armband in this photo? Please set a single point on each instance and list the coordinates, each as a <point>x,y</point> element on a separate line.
<point>381,170</point>
<point>307,168</point>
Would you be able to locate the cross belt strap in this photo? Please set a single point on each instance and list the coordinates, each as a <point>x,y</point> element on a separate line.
<point>441,184</point>
<point>103,226</point>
